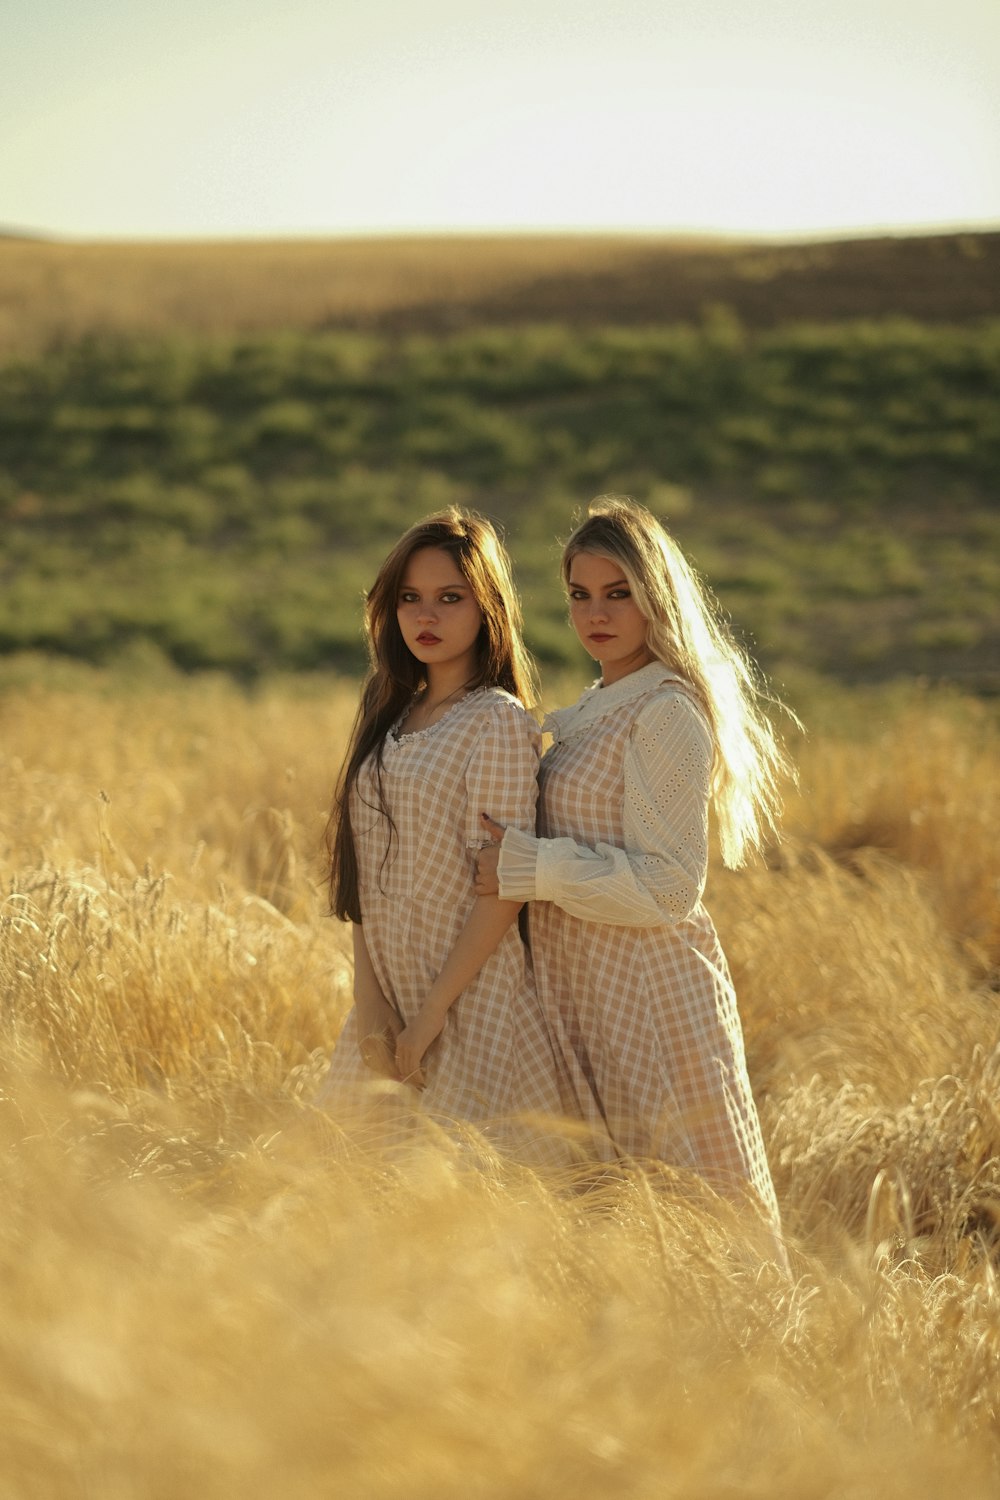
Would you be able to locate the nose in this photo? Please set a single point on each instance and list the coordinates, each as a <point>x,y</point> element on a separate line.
<point>426,612</point>
<point>598,609</point>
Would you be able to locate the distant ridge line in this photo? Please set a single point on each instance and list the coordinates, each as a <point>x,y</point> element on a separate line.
<point>54,291</point>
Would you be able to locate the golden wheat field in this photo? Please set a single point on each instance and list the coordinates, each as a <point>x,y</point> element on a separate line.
<point>214,1290</point>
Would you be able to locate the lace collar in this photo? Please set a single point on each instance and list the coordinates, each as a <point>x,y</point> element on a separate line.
<point>399,735</point>
<point>596,702</point>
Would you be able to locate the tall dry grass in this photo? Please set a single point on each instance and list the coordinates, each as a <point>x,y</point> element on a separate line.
<point>213,1289</point>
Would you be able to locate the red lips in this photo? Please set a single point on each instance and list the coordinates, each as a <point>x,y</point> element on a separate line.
<point>426,639</point>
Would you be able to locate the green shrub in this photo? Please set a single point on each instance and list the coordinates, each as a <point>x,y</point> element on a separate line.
<point>228,499</point>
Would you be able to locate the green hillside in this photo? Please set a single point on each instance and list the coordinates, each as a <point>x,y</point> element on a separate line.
<point>228,498</point>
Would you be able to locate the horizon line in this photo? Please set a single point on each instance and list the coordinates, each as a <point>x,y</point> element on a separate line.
<point>732,235</point>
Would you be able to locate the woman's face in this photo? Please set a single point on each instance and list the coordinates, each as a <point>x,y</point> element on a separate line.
<point>606,617</point>
<point>438,616</point>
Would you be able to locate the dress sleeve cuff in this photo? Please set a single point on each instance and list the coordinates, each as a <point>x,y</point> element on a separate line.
<point>516,870</point>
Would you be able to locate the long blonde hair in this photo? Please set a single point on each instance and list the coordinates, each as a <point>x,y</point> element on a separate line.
<point>687,631</point>
<point>395,674</point>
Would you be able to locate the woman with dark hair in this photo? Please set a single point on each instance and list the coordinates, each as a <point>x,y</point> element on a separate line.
<point>443,993</point>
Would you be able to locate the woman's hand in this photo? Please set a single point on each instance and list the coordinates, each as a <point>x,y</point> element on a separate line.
<point>488,859</point>
<point>411,1044</point>
<point>378,1025</point>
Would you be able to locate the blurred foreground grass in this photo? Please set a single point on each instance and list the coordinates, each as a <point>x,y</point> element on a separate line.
<point>212,1289</point>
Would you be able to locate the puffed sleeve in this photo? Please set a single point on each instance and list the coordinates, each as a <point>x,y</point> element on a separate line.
<point>502,774</point>
<point>658,878</point>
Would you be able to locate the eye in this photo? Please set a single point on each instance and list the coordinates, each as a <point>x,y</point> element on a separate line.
<point>619,594</point>
<point>452,598</point>
<point>578,594</point>
<point>408,597</point>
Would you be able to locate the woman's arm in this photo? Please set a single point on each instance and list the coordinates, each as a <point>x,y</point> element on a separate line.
<point>659,876</point>
<point>372,1011</point>
<point>488,920</point>
<point>502,771</point>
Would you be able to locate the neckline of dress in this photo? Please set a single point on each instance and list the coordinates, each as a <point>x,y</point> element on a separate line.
<point>597,701</point>
<point>396,737</point>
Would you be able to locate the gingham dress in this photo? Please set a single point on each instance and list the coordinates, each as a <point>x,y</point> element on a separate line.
<point>494,1057</point>
<point>629,969</point>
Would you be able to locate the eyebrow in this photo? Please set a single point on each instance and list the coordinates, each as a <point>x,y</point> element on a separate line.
<point>615,585</point>
<point>437,588</point>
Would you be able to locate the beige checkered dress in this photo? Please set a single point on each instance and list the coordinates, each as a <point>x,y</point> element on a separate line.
<point>627,962</point>
<point>494,1057</point>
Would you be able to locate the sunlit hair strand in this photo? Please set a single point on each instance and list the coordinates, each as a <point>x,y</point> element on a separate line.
<point>686,630</point>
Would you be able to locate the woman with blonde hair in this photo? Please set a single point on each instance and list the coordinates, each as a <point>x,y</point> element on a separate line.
<point>443,997</point>
<point>633,981</point>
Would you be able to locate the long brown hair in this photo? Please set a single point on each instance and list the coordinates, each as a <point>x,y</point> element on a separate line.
<point>686,630</point>
<point>395,675</point>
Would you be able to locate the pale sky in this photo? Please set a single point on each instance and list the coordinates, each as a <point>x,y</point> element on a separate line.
<point>197,118</point>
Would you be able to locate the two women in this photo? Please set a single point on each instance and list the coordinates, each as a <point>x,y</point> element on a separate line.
<point>637,1003</point>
